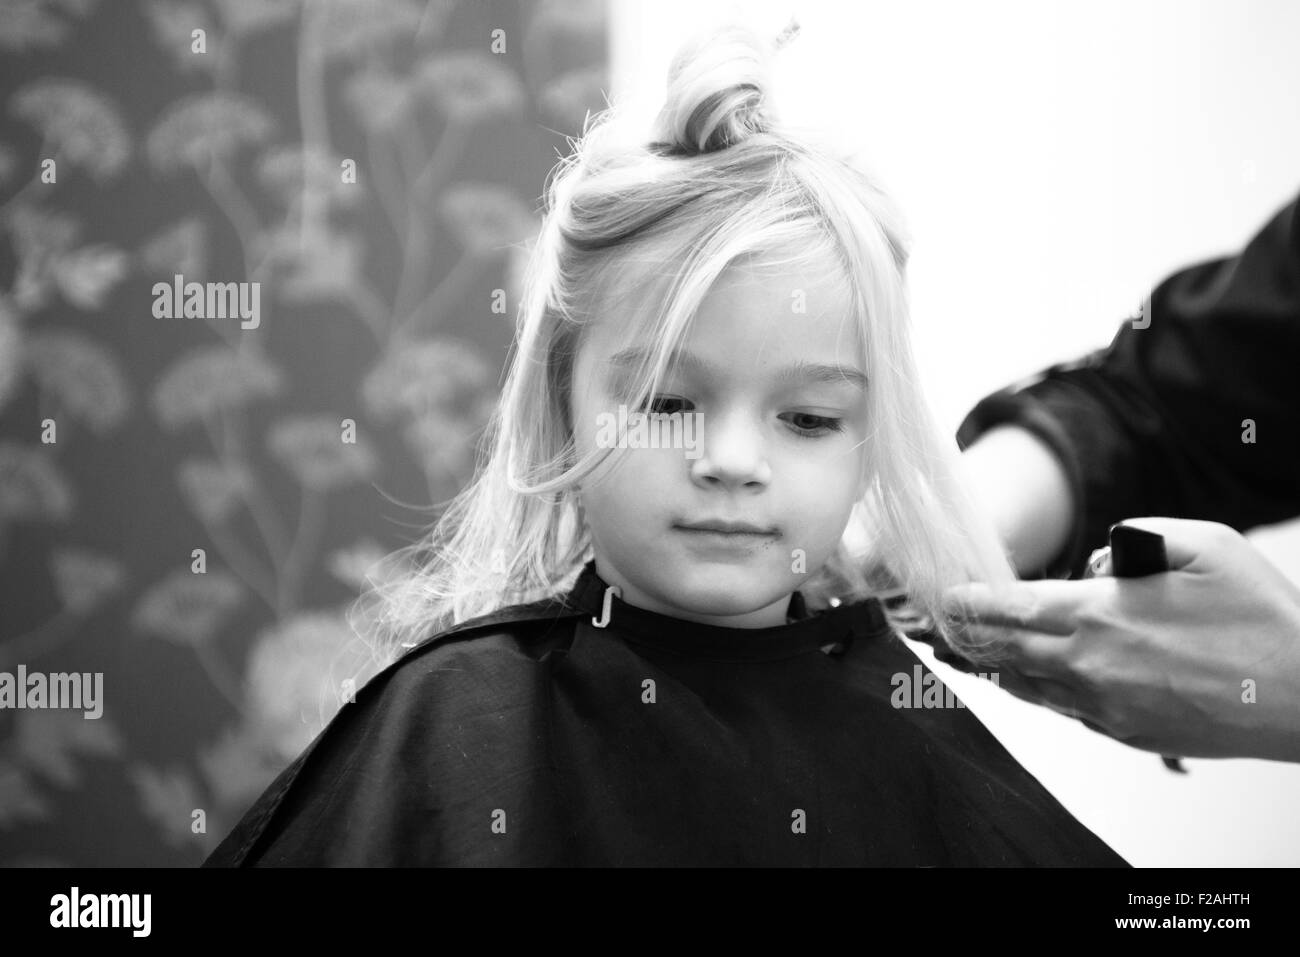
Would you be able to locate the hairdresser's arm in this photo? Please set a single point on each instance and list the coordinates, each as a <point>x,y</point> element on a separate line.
<point>1024,488</point>
<point>1196,415</point>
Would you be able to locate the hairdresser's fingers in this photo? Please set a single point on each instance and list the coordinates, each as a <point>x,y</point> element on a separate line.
<point>1053,695</point>
<point>1048,606</point>
<point>1032,653</point>
<point>1018,685</point>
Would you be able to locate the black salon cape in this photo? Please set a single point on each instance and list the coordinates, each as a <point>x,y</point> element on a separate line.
<point>532,737</point>
<point>1191,412</point>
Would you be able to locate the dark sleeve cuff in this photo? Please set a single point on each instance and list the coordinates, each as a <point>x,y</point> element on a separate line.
<point>1019,408</point>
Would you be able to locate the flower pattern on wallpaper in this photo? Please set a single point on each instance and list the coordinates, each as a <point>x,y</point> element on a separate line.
<point>198,516</point>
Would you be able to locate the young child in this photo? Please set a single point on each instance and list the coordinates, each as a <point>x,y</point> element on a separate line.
<point>643,636</point>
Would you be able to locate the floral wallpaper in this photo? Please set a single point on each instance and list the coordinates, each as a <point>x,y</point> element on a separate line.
<point>259,261</point>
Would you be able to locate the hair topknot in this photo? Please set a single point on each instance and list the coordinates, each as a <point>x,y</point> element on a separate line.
<point>717,92</point>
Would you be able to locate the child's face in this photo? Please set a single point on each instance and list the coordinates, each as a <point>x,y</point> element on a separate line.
<point>770,368</point>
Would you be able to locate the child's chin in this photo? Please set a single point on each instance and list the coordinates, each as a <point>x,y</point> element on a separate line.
<point>737,593</point>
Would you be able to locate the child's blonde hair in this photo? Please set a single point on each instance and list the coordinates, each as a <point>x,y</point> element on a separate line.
<point>642,226</point>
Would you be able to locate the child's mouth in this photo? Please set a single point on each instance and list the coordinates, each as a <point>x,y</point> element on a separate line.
<point>730,535</point>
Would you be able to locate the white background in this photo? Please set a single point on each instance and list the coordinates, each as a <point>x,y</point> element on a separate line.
<point>1054,161</point>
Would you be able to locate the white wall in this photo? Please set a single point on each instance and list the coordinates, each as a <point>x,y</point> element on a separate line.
<point>1054,161</point>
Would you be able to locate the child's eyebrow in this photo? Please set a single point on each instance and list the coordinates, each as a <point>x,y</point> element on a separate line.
<point>801,370</point>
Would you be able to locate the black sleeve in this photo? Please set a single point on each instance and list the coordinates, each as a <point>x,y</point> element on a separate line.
<point>1195,415</point>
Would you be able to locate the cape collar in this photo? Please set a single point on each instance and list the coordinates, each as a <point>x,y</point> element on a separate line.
<point>831,631</point>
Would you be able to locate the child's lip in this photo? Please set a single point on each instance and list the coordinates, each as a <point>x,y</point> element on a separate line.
<point>727,528</point>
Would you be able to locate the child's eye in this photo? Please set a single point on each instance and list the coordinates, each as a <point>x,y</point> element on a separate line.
<point>667,405</point>
<point>807,424</point>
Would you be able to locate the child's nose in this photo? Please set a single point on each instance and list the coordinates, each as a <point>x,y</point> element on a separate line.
<point>734,453</point>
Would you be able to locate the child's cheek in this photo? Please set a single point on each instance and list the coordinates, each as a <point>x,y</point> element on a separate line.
<point>825,489</point>
<point>631,484</point>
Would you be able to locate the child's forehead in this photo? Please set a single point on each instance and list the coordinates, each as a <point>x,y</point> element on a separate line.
<point>772,271</point>
<point>747,346</point>
<point>795,306</point>
<point>781,291</point>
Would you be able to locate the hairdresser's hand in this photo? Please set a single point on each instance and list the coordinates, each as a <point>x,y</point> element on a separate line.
<point>1202,661</point>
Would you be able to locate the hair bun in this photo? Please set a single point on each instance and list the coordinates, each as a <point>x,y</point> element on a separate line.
<point>717,92</point>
